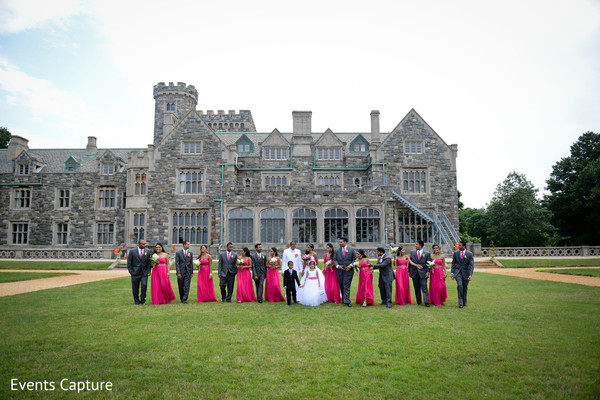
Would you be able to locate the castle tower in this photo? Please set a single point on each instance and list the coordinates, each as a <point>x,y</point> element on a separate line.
<point>171,103</point>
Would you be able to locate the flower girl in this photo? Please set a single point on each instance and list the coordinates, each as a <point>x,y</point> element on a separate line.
<point>312,287</point>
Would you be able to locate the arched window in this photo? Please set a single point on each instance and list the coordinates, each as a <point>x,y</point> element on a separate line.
<point>335,224</point>
<point>139,222</point>
<point>241,226</point>
<point>304,226</point>
<point>272,225</point>
<point>367,226</point>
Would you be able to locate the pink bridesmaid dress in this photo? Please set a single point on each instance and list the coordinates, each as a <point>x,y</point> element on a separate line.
<point>160,284</point>
<point>402,286</point>
<point>332,286</point>
<point>438,294</point>
<point>273,286</point>
<point>245,288</point>
<point>365,285</point>
<point>206,287</point>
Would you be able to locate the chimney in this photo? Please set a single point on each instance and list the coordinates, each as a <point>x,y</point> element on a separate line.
<point>375,132</point>
<point>302,123</point>
<point>91,147</point>
<point>16,146</point>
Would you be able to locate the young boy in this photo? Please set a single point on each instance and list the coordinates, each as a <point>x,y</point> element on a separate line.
<point>290,278</point>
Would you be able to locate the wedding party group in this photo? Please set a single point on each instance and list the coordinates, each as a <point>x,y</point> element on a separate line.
<point>304,282</point>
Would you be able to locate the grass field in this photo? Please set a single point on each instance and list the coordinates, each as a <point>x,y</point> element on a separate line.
<point>584,272</point>
<point>549,262</point>
<point>518,338</point>
<point>26,276</point>
<point>34,264</point>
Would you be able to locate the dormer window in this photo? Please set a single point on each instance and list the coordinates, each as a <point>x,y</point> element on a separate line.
<point>329,154</point>
<point>72,165</point>
<point>359,145</point>
<point>244,145</point>
<point>23,169</point>
<point>107,169</point>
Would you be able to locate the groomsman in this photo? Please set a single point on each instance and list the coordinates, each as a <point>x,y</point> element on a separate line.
<point>184,266</point>
<point>419,271</point>
<point>343,257</point>
<point>386,276</point>
<point>291,254</point>
<point>138,264</point>
<point>462,271</point>
<point>259,271</point>
<point>227,272</point>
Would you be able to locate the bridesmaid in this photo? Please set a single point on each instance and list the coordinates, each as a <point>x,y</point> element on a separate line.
<point>332,286</point>
<point>161,290</point>
<point>245,287</point>
<point>438,293</point>
<point>310,252</point>
<point>272,284</point>
<point>402,286</point>
<point>206,287</point>
<point>364,295</point>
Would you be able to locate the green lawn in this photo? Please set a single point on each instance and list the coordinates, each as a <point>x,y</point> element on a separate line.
<point>26,276</point>
<point>518,338</point>
<point>34,264</point>
<point>583,272</point>
<point>549,262</point>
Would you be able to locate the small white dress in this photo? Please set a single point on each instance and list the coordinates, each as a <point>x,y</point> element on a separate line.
<point>313,292</point>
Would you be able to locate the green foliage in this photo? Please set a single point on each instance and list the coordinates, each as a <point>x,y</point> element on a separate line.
<point>515,216</point>
<point>4,137</point>
<point>474,225</point>
<point>574,198</point>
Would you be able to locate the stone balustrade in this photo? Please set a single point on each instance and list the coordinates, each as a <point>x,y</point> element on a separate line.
<point>567,251</point>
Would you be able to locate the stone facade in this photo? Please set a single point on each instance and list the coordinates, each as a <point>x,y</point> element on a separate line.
<point>212,178</point>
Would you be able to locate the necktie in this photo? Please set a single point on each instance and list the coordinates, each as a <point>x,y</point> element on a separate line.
<point>259,256</point>
<point>141,253</point>
<point>419,254</point>
<point>185,253</point>
<point>462,255</point>
<point>228,255</point>
<point>344,252</point>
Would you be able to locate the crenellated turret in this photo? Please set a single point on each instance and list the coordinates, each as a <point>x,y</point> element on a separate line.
<point>171,103</point>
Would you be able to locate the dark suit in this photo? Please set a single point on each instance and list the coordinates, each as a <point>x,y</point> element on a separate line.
<point>344,277</point>
<point>386,278</point>
<point>185,267</point>
<point>227,271</point>
<point>290,279</point>
<point>419,276</point>
<point>138,269</point>
<point>259,273</point>
<point>462,269</point>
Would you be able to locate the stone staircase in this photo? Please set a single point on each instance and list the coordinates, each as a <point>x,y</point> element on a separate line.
<point>486,263</point>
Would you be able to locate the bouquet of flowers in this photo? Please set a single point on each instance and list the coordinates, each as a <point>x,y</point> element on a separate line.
<point>431,264</point>
<point>240,262</point>
<point>329,264</point>
<point>273,262</point>
<point>395,250</point>
<point>154,259</point>
<point>196,263</point>
<point>306,257</point>
<point>356,266</point>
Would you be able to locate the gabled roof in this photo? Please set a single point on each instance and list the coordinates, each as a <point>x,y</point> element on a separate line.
<point>329,139</point>
<point>275,138</point>
<point>412,117</point>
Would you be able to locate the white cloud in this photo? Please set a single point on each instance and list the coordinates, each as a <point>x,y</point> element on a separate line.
<point>19,15</point>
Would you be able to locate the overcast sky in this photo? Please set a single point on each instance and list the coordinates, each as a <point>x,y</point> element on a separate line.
<point>513,83</point>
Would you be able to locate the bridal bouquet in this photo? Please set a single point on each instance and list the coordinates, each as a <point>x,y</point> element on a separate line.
<point>306,257</point>
<point>356,266</point>
<point>328,264</point>
<point>273,262</point>
<point>154,259</point>
<point>196,263</point>
<point>240,262</point>
<point>394,250</point>
<point>431,264</point>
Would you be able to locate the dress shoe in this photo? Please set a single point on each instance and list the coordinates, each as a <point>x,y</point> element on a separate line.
<point>143,302</point>
<point>184,302</point>
<point>461,306</point>
<point>349,305</point>
<point>389,306</point>
<point>260,301</point>
<point>426,304</point>
<point>137,303</point>
<point>229,301</point>
<point>222,300</point>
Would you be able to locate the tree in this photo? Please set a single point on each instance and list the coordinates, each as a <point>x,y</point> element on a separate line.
<point>516,217</point>
<point>4,137</point>
<point>474,225</point>
<point>574,187</point>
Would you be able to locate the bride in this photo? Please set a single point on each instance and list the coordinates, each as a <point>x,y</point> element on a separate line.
<point>311,291</point>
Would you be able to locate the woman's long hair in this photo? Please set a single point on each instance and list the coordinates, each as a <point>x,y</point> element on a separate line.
<point>275,254</point>
<point>161,246</point>
<point>246,252</point>
<point>361,252</point>
<point>330,250</point>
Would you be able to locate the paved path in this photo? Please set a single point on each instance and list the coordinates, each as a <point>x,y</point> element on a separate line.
<point>546,276</point>
<point>11,288</point>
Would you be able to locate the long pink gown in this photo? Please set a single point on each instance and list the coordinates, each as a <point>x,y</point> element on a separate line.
<point>402,286</point>
<point>272,285</point>
<point>365,285</point>
<point>438,293</point>
<point>160,284</point>
<point>245,288</point>
<point>332,286</point>
<point>206,286</point>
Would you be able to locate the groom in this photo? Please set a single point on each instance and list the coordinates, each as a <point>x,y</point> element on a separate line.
<point>138,264</point>
<point>185,270</point>
<point>386,276</point>
<point>259,271</point>
<point>419,271</point>
<point>227,272</point>
<point>343,258</point>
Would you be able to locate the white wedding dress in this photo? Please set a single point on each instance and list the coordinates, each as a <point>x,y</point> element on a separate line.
<point>313,292</point>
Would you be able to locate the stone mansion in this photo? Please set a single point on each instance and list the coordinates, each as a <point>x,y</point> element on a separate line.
<point>210,177</point>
